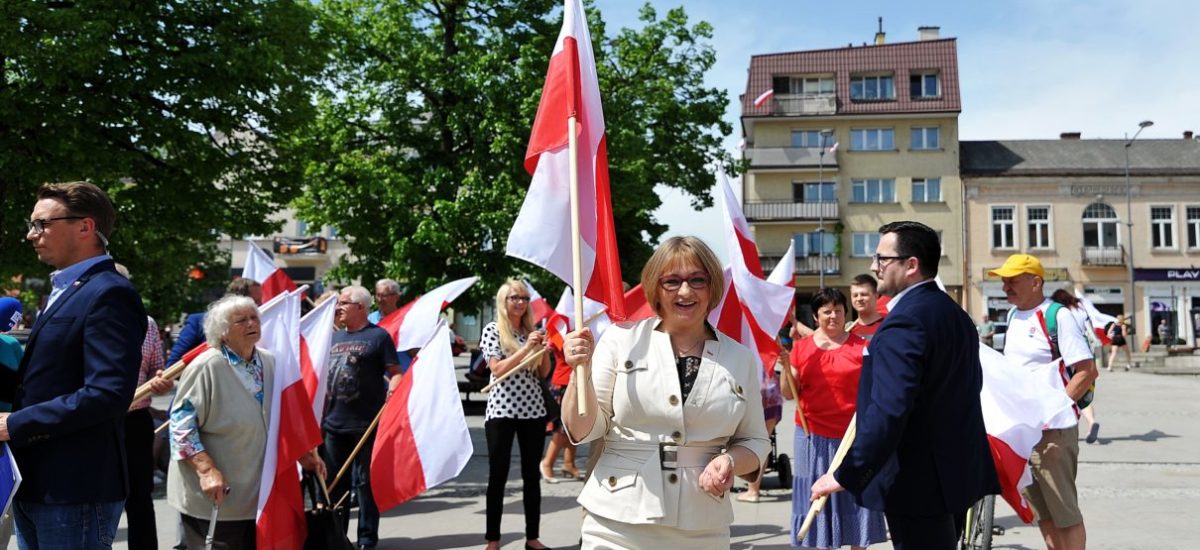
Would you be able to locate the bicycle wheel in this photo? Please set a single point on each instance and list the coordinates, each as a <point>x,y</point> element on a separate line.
<point>979,525</point>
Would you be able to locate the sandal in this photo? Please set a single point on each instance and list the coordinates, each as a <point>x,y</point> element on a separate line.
<point>747,497</point>
<point>572,473</point>
<point>548,475</point>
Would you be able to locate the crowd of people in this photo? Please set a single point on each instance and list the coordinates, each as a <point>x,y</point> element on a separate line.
<point>673,409</point>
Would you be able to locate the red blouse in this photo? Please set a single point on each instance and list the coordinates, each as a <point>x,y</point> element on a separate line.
<point>828,384</point>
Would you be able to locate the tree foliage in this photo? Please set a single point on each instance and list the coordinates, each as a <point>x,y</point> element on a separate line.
<point>174,107</point>
<point>416,154</point>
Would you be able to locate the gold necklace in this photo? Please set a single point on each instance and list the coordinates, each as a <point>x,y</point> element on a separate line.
<point>684,352</point>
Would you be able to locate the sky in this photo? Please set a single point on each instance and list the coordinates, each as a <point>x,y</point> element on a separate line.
<point>1028,69</point>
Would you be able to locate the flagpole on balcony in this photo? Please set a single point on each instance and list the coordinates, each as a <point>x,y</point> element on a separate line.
<point>821,209</point>
<point>581,370</point>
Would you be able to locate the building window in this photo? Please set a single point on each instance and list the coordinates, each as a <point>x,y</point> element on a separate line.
<point>874,190</point>
<point>810,139</point>
<point>1100,226</point>
<point>926,138</point>
<point>1162,226</point>
<point>1193,226</point>
<point>872,87</point>
<point>864,244</point>
<point>924,85</point>
<point>1004,233</point>
<point>927,190</point>
<point>811,85</point>
<point>872,139</point>
<point>813,191</point>
<point>809,244</point>
<point>1038,219</point>
<point>301,228</point>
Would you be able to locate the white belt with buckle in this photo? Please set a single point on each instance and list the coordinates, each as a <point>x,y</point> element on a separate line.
<point>672,456</point>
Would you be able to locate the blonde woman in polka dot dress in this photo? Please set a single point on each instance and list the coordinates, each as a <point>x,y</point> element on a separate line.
<point>514,408</point>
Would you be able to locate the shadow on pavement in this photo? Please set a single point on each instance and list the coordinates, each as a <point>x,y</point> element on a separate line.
<point>424,506</point>
<point>761,531</point>
<point>1151,436</point>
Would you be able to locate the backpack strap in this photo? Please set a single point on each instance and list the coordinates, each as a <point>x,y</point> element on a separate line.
<point>1049,323</point>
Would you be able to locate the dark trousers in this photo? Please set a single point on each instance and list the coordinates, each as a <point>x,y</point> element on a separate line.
<point>229,535</point>
<point>531,436</point>
<point>937,532</point>
<point>139,505</point>
<point>338,448</point>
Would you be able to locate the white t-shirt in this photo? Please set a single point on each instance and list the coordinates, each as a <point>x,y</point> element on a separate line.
<point>1026,346</point>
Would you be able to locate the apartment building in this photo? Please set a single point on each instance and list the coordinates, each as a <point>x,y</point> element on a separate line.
<point>1066,201</point>
<point>892,111</point>
<point>304,252</point>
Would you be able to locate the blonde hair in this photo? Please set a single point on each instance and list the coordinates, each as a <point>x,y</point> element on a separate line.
<point>677,251</point>
<point>508,334</point>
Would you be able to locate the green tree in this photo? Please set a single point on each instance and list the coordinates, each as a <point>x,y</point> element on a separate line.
<point>416,155</point>
<point>173,107</point>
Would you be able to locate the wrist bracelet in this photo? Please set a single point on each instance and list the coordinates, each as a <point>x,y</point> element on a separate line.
<point>732,463</point>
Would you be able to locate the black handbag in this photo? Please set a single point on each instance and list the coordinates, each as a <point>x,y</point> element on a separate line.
<point>325,530</point>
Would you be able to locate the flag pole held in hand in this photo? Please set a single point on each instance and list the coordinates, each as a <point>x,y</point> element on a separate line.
<point>819,504</point>
<point>581,370</point>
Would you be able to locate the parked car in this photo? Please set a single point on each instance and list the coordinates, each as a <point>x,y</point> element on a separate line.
<point>998,338</point>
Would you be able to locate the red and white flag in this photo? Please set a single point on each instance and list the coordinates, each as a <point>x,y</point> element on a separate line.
<point>784,273</point>
<point>1017,402</point>
<point>541,308</point>
<point>292,430</point>
<point>262,268</point>
<point>542,232</point>
<point>1099,320</point>
<point>764,97</point>
<point>316,338</point>
<point>750,303</point>
<point>594,313</point>
<point>414,324</point>
<point>423,438</point>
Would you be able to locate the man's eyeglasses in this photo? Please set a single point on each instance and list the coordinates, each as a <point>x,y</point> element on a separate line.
<point>39,226</point>
<point>518,298</point>
<point>671,283</point>
<point>879,260</point>
<point>342,303</point>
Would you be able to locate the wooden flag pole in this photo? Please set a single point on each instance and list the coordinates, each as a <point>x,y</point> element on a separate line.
<point>528,362</point>
<point>357,448</point>
<point>581,370</point>
<point>819,504</point>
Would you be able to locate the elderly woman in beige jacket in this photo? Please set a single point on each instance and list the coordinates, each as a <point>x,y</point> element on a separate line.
<point>678,406</point>
<point>219,428</point>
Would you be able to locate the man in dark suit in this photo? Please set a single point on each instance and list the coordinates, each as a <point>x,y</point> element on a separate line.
<point>921,453</point>
<point>76,379</point>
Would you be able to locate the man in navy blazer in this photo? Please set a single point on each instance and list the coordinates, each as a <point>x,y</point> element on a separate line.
<point>76,380</point>
<point>921,454</point>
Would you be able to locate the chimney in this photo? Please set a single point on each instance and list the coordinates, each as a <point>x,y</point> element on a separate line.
<point>879,36</point>
<point>928,33</point>
<point>1187,134</point>
<point>1070,136</point>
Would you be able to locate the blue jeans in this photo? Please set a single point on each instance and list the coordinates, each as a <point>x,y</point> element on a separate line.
<point>339,447</point>
<point>67,526</point>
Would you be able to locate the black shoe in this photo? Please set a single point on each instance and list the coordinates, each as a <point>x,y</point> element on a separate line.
<point>1093,433</point>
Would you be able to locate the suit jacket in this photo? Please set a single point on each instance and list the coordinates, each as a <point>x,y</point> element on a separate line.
<point>920,447</point>
<point>638,392</point>
<point>77,380</point>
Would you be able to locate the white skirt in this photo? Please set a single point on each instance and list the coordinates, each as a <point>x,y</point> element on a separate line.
<point>606,534</point>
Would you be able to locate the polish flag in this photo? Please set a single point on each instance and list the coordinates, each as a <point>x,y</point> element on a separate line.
<point>316,338</point>
<point>414,324</point>
<point>1099,320</point>
<point>1016,403</point>
<point>262,268</point>
<point>292,430</point>
<point>784,273</point>
<point>752,308</point>
<point>542,232</point>
<point>764,97</point>
<point>636,305</point>
<point>594,313</point>
<point>423,439</point>
<point>541,308</point>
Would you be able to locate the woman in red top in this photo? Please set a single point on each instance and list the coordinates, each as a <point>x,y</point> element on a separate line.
<point>824,376</point>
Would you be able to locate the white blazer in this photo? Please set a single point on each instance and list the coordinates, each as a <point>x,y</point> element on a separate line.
<point>638,391</point>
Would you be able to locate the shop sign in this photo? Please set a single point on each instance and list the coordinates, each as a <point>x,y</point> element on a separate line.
<point>1178,274</point>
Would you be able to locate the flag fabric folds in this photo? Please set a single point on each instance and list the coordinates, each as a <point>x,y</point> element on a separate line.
<point>262,268</point>
<point>542,232</point>
<point>538,304</point>
<point>316,337</point>
<point>414,324</point>
<point>1017,403</point>
<point>636,306</point>
<point>752,308</point>
<point>1099,320</point>
<point>423,439</point>
<point>764,97</point>
<point>292,430</point>
<point>784,273</point>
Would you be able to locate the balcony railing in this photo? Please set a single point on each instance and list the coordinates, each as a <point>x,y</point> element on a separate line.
<point>805,265</point>
<point>790,210</point>
<point>300,245</point>
<point>790,157</point>
<point>1103,255</point>
<point>804,105</point>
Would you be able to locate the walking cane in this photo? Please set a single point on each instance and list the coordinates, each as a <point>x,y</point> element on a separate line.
<point>212,524</point>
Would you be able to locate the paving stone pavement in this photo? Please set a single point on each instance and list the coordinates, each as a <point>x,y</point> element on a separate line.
<point>1139,486</point>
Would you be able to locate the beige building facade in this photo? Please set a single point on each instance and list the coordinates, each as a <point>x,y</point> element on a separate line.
<point>892,111</point>
<point>1066,202</point>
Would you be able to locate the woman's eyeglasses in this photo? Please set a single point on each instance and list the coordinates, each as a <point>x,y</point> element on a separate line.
<point>518,298</point>
<point>671,283</point>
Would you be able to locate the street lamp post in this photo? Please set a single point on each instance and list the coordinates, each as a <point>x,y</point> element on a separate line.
<point>821,208</point>
<point>1129,224</point>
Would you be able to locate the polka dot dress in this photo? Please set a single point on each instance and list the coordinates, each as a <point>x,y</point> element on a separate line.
<point>519,395</point>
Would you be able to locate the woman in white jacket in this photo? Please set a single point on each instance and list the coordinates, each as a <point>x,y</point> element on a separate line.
<point>678,406</point>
